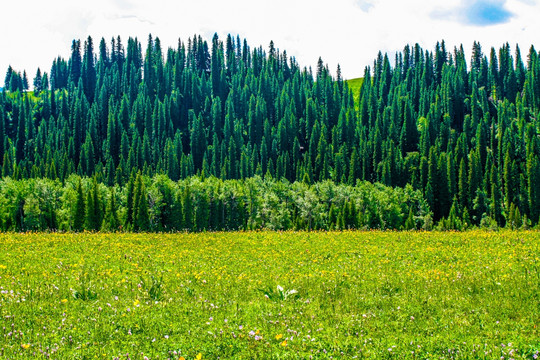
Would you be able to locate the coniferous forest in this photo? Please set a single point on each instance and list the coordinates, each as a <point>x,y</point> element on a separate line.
<point>218,135</point>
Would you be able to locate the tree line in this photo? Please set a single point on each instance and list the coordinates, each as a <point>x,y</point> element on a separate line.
<point>464,135</point>
<point>206,204</point>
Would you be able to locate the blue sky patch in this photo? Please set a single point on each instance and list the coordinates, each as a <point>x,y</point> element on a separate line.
<point>476,13</point>
<point>364,5</point>
<point>485,13</point>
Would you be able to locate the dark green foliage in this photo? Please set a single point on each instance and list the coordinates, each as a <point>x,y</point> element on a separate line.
<point>467,139</point>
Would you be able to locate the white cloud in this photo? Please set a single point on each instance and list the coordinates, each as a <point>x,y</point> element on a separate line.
<point>349,32</point>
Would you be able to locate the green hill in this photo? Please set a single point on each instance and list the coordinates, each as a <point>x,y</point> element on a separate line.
<point>355,85</point>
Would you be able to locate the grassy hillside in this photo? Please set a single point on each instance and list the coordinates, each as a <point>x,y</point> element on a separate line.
<point>355,85</point>
<point>30,94</point>
<point>270,295</point>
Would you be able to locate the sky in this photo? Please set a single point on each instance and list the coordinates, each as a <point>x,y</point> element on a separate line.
<point>345,32</point>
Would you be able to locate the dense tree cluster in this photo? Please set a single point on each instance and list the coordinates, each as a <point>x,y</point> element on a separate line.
<point>199,204</point>
<point>465,137</point>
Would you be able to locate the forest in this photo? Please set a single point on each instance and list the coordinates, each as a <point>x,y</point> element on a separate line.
<point>111,139</point>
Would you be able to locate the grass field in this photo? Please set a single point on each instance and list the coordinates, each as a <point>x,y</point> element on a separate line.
<point>270,295</point>
<point>355,85</point>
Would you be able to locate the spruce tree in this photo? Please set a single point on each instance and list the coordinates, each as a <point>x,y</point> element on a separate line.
<point>21,134</point>
<point>90,211</point>
<point>409,222</point>
<point>111,222</point>
<point>88,70</point>
<point>187,209</point>
<point>80,209</point>
<point>94,212</point>
<point>75,62</point>
<point>2,135</point>
<point>37,82</point>
<point>130,202</point>
<point>25,84</point>
<point>141,219</point>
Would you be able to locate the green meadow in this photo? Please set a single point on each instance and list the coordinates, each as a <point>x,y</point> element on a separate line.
<point>270,295</point>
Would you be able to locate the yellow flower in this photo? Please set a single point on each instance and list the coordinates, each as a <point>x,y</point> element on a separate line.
<point>64,301</point>
<point>279,336</point>
<point>199,356</point>
<point>136,302</point>
<point>25,346</point>
<point>181,358</point>
<point>284,343</point>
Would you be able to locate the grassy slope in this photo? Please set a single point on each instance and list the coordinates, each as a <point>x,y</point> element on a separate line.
<point>30,95</point>
<point>377,294</point>
<point>355,85</point>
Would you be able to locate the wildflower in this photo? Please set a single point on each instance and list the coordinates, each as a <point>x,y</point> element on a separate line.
<point>279,336</point>
<point>199,356</point>
<point>64,301</point>
<point>284,343</point>
<point>25,346</point>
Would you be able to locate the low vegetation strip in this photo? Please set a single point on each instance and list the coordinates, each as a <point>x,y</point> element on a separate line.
<point>286,295</point>
<point>159,204</point>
